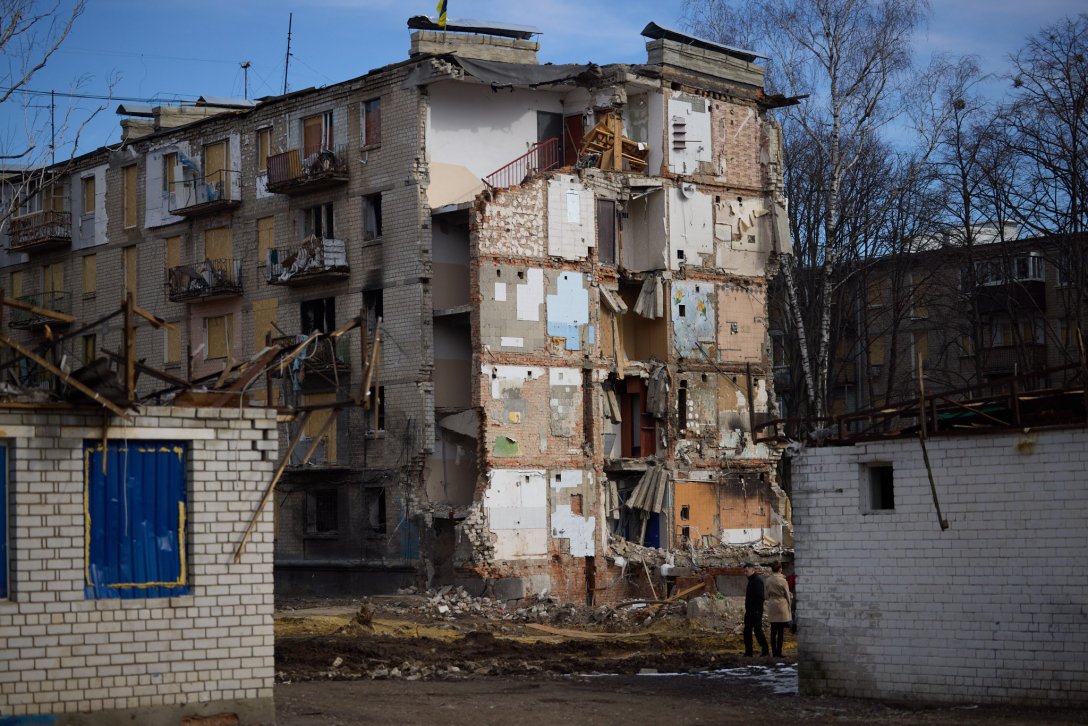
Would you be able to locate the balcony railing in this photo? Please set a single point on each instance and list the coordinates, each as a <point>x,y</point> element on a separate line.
<point>207,279</point>
<point>540,158</point>
<point>60,302</point>
<point>214,193</point>
<point>40,230</point>
<point>293,173</point>
<point>315,260</point>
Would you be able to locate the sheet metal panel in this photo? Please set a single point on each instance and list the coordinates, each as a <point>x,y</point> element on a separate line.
<point>135,511</point>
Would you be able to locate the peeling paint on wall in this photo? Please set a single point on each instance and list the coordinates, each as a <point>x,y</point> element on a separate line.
<point>565,399</point>
<point>689,133</point>
<point>531,295</point>
<point>516,502</point>
<point>566,524</point>
<point>571,218</point>
<point>693,318</point>
<point>691,235</point>
<point>568,310</point>
<point>742,327</point>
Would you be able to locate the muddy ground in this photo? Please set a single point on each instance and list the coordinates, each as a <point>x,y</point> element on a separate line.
<point>427,658</point>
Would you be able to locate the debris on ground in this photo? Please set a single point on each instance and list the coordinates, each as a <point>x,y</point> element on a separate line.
<point>447,633</point>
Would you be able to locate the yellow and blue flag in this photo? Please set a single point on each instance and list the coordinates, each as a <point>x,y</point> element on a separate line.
<point>441,13</point>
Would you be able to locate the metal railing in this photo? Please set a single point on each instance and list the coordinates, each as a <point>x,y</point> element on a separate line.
<point>539,158</point>
<point>30,229</point>
<point>220,186</point>
<point>58,301</point>
<point>205,279</point>
<point>293,168</point>
<point>314,257</point>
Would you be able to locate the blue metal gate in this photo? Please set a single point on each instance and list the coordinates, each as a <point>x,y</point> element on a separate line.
<point>135,519</point>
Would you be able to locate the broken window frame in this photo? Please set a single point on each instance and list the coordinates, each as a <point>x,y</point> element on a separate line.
<point>318,221</point>
<point>607,225</point>
<point>317,314</point>
<point>264,148</point>
<point>372,217</point>
<point>878,487</point>
<point>323,508</point>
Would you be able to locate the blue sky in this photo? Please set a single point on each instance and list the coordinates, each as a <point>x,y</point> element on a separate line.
<point>182,50</point>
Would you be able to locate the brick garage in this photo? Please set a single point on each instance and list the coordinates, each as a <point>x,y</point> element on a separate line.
<point>84,655</point>
<point>990,610</point>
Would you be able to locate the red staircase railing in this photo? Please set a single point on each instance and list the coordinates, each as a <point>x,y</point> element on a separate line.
<point>542,157</point>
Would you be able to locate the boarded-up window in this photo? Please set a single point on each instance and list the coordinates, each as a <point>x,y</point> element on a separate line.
<point>264,148</point>
<point>264,314</point>
<point>876,351</point>
<point>215,169</point>
<point>15,284</point>
<point>372,122</point>
<point>173,252</point>
<point>90,347</point>
<point>317,421</point>
<point>172,346</point>
<point>130,263</point>
<point>128,175</point>
<point>218,333</point>
<point>169,164</point>
<point>88,195</point>
<point>53,283</point>
<point>217,244</point>
<point>266,239</point>
<point>90,274</point>
<point>317,133</point>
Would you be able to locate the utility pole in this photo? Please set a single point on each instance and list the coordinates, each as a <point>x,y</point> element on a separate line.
<point>287,58</point>
<point>52,128</point>
<point>245,79</point>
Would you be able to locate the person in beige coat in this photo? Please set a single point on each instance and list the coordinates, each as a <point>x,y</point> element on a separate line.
<point>779,607</point>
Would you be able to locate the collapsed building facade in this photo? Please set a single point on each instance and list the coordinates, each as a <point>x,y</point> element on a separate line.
<point>566,266</point>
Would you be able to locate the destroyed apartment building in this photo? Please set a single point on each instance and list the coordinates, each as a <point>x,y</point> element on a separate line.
<point>556,276</point>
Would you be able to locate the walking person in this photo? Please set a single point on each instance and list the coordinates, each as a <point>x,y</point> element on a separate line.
<point>753,611</point>
<point>779,602</point>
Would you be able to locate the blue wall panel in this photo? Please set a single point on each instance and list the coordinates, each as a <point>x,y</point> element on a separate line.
<point>135,519</point>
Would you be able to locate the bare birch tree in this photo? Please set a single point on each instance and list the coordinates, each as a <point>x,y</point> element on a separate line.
<point>849,57</point>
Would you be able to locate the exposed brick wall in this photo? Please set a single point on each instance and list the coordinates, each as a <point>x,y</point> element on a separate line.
<point>989,610</point>
<point>62,653</point>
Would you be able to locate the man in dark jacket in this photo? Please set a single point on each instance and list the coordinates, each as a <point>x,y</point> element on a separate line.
<point>753,611</point>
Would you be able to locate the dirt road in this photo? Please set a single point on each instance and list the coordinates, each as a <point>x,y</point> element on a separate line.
<point>423,659</point>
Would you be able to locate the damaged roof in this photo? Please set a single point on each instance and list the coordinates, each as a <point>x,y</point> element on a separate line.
<point>658,32</point>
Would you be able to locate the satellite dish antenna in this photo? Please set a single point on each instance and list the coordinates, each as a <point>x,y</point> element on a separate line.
<point>687,190</point>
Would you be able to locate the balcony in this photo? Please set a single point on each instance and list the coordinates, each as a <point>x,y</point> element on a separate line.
<point>60,302</point>
<point>292,173</point>
<point>211,195</point>
<point>205,280</point>
<point>1010,296</point>
<point>315,260</point>
<point>40,231</point>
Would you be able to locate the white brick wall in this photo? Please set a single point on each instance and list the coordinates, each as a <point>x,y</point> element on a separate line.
<point>61,652</point>
<point>993,609</point>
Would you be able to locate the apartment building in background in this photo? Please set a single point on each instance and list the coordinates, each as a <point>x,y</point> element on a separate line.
<point>568,268</point>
